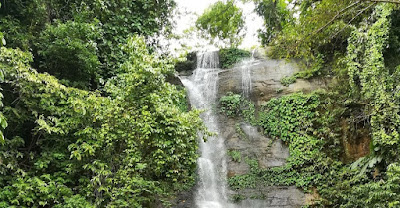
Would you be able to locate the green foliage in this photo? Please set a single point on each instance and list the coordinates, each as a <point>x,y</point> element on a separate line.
<point>189,64</point>
<point>275,15</point>
<point>234,105</point>
<point>240,132</point>
<point>230,104</point>
<point>15,37</point>
<point>298,109</point>
<point>235,155</point>
<point>374,83</point>
<point>69,52</point>
<point>223,22</point>
<point>83,42</point>
<point>243,181</point>
<point>292,119</point>
<point>286,81</point>
<point>237,197</point>
<point>305,122</point>
<point>353,41</point>
<point>228,57</point>
<point>75,148</point>
<point>181,99</point>
<point>321,29</point>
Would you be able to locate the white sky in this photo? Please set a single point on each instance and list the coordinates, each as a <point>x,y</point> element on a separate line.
<point>189,11</point>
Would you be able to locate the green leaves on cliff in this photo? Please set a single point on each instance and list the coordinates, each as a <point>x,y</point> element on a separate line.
<point>375,83</point>
<point>292,119</point>
<point>234,105</point>
<point>228,57</point>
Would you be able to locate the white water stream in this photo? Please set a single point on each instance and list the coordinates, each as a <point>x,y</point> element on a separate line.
<point>202,88</point>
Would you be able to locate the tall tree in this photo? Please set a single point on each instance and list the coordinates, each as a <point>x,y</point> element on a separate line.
<point>275,14</point>
<point>222,24</point>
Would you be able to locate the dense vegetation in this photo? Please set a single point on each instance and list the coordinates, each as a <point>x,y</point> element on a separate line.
<point>92,121</point>
<point>89,120</point>
<point>81,37</point>
<point>356,43</point>
<point>228,57</point>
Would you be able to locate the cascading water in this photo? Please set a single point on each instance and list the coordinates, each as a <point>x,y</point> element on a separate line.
<point>245,70</point>
<point>246,78</point>
<point>202,87</point>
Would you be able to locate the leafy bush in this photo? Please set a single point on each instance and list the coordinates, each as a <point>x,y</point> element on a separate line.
<point>189,64</point>
<point>234,105</point>
<point>230,104</point>
<point>235,155</point>
<point>228,57</point>
<point>69,51</point>
<point>286,81</point>
<point>77,148</point>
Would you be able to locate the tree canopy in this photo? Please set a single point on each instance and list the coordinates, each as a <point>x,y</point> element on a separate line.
<point>81,36</point>
<point>222,22</point>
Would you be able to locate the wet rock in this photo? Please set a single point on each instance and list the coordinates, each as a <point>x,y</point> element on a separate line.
<point>356,144</point>
<point>265,78</point>
<point>184,199</point>
<point>174,79</point>
<point>189,65</point>
<point>253,145</point>
<point>273,197</point>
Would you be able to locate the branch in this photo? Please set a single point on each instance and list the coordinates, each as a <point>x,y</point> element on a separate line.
<point>358,14</point>
<point>340,13</point>
<point>386,1</point>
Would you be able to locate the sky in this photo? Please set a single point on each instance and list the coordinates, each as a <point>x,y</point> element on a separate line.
<point>189,11</point>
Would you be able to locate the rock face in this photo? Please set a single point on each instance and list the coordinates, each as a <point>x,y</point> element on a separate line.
<point>265,80</point>
<point>265,76</point>
<point>275,197</point>
<point>268,152</point>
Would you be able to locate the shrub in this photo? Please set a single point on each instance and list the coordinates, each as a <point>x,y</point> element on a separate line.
<point>230,104</point>
<point>69,51</point>
<point>286,81</point>
<point>230,56</point>
<point>235,155</point>
<point>189,64</point>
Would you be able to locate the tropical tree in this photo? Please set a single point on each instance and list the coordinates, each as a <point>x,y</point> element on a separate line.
<point>222,24</point>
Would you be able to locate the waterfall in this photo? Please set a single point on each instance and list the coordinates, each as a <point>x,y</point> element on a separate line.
<point>246,77</point>
<point>208,60</point>
<point>202,87</point>
<point>245,70</point>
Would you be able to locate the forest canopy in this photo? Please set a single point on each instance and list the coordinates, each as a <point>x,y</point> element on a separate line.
<point>88,118</point>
